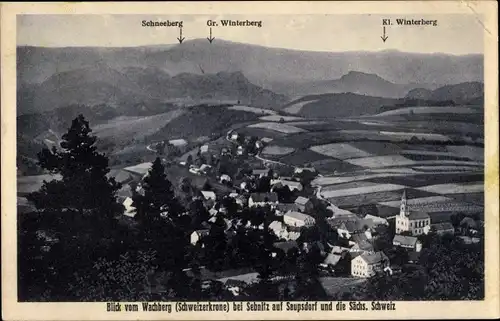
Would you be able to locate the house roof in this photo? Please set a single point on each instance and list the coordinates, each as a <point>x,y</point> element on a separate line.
<point>283,182</point>
<point>140,169</point>
<point>417,215</point>
<point>338,211</point>
<point>335,249</point>
<point>301,200</point>
<point>264,171</point>
<point>298,216</point>
<point>443,226</point>
<point>285,207</point>
<point>332,259</point>
<point>208,194</point>
<point>201,232</point>
<point>125,191</point>
<point>365,245</point>
<point>204,167</point>
<point>127,202</point>
<point>376,219</point>
<point>292,235</point>
<point>264,197</point>
<point>374,258</point>
<point>349,226</point>
<point>336,222</point>
<point>405,240</point>
<point>276,226</point>
<point>286,246</point>
<point>359,237</point>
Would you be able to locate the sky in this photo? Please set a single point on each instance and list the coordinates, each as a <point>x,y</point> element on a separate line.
<point>454,33</point>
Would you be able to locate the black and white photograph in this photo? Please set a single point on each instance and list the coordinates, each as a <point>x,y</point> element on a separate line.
<point>246,157</point>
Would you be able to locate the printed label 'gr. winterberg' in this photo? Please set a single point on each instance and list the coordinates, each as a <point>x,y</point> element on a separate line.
<point>235,23</point>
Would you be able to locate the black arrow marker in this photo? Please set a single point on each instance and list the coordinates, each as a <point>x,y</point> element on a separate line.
<point>384,37</point>
<point>210,39</point>
<point>180,38</point>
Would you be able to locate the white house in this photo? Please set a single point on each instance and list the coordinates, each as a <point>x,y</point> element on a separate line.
<point>292,185</point>
<point>234,136</point>
<point>129,209</point>
<point>194,170</point>
<point>299,170</point>
<point>262,199</point>
<point>197,235</point>
<point>204,149</point>
<point>244,186</point>
<point>297,219</point>
<point>407,242</point>
<point>261,172</point>
<point>304,204</point>
<point>225,178</point>
<point>208,195</point>
<point>368,264</point>
<point>205,169</point>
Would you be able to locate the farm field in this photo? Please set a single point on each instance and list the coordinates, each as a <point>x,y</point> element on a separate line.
<point>365,199</point>
<point>381,161</point>
<point>437,204</point>
<point>301,157</point>
<point>442,168</point>
<point>348,186</point>
<point>472,152</point>
<point>279,127</point>
<point>135,127</point>
<point>427,110</point>
<point>340,151</point>
<point>473,198</point>
<point>278,118</point>
<point>263,132</point>
<point>361,190</point>
<point>28,184</point>
<point>277,150</point>
<point>297,107</point>
<point>254,110</point>
<point>327,166</point>
<point>454,188</point>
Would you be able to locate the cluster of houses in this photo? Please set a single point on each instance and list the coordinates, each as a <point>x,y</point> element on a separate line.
<point>356,234</point>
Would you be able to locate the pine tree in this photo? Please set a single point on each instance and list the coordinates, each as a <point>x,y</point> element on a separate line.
<point>84,186</point>
<point>158,202</point>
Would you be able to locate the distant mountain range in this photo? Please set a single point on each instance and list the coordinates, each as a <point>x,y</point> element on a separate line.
<point>460,93</point>
<point>133,90</point>
<point>335,105</point>
<point>352,82</point>
<point>52,77</point>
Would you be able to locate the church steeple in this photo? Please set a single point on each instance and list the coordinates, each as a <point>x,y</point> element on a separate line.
<point>403,210</point>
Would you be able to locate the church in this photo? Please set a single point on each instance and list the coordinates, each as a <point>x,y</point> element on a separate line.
<point>413,221</point>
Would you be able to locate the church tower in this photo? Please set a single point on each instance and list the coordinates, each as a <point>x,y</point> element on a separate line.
<point>403,210</point>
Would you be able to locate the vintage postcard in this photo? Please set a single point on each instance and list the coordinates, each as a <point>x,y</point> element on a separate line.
<point>250,160</point>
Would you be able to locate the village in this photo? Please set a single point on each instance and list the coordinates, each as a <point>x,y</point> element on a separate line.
<point>243,193</point>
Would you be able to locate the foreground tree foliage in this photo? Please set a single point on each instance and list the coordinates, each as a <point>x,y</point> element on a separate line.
<point>448,270</point>
<point>84,187</point>
<point>77,247</point>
